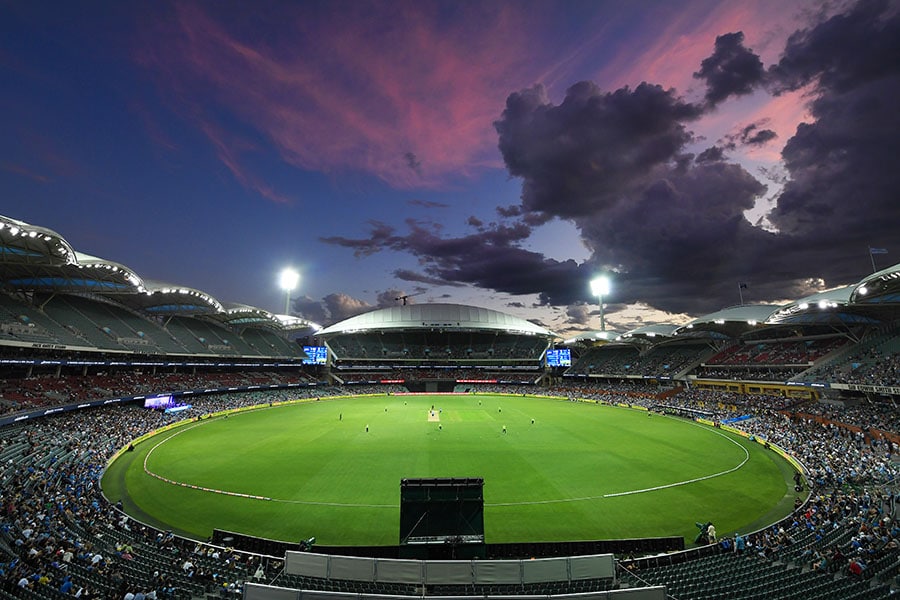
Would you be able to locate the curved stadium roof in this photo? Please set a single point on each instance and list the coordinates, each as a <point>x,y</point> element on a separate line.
<point>35,258</point>
<point>731,321</point>
<point>882,287</point>
<point>435,316</point>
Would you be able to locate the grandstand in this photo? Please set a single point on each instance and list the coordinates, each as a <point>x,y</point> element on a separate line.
<point>434,347</point>
<point>838,345</point>
<point>84,339</point>
<point>71,322</point>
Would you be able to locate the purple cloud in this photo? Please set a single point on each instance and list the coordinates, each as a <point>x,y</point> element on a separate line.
<point>578,157</point>
<point>732,70</point>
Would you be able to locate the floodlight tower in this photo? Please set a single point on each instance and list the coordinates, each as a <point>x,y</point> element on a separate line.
<point>600,288</point>
<point>288,281</point>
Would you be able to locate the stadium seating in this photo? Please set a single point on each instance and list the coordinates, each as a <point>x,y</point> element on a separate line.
<point>776,563</point>
<point>605,360</point>
<point>50,467</point>
<point>15,312</point>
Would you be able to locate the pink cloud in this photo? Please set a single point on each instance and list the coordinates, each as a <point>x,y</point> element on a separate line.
<point>359,92</point>
<point>54,160</point>
<point>228,149</point>
<point>24,172</point>
<point>783,114</point>
<point>151,126</point>
<point>673,48</point>
<point>408,91</point>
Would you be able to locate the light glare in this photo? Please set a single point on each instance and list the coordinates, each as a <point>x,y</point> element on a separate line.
<point>600,285</point>
<point>289,279</point>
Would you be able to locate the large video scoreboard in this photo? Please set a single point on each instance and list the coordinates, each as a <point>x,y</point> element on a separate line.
<point>561,357</point>
<point>318,355</point>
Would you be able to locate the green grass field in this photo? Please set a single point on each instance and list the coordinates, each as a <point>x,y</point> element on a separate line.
<point>565,477</point>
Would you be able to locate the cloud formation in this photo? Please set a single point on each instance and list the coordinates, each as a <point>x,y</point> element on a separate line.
<point>578,157</point>
<point>670,225</point>
<point>491,258</point>
<point>341,306</point>
<point>428,203</point>
<point>732,70</point>
<point>344,90</point>
<point>753,134</point>
<point>337,306</point>
<point>843,179</point>
<point>579,314</point>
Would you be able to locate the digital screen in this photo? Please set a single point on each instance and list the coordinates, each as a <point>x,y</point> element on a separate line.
<point>159,401</point>
<point>559,358</point>
<point>318,355</point>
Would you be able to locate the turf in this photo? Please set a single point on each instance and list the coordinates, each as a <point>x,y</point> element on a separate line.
<point>326,476</point>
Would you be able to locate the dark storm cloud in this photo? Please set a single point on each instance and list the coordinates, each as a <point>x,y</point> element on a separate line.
<point>775,174</point>
<point>656,214</point>
<point>413,162</point>
<point>332,308</point>
<point>842,166</point>
<point>515,304</point>
<point>579,314</point>
<point>394,297</point>
<point>515,271</point>
<point>616,165</point>
<point>380,237</point>
<point>475,222</point>
<point>422,241</point>
<point>711,154</point>
<point>579,157</point>
<point>732,70</point>
<point>683,233</point>
<point>342,306</point>
<point>408,275</point>
<point>750,135</point>
<point>538,322</point>
<point>310,309</point>
<point>760,138</point>
<point>428,204</point>
<point>490,258</point>
<point>672,228</point>
<point>845,52</point>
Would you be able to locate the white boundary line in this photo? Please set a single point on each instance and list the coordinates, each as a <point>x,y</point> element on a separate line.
<point>671,485</point>
<point>493,504</point>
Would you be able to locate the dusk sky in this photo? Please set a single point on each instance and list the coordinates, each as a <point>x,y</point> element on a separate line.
<point>498,154</point>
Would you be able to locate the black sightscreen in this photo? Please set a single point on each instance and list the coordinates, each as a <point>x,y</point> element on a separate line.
<point>442,510</point>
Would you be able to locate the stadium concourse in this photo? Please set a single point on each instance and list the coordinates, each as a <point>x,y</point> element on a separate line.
<point>85,342</point>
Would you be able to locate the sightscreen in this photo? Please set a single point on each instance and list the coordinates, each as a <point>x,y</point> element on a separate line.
<point>442,510</point>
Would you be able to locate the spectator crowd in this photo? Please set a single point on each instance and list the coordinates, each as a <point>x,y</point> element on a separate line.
<point>58,532</point>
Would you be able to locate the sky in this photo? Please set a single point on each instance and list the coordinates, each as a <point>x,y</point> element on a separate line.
<point>499,154</point>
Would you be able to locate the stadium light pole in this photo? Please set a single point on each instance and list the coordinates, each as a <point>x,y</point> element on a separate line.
<point>288,281</point>
<point>600,288</point>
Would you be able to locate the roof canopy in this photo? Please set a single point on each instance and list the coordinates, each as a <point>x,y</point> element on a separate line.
<point>652,331</point>
<point>878,288</point>
<point>38,259</point>
<point>435,316</point>
<point>732,321</point>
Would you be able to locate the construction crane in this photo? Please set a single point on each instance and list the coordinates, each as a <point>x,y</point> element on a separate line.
<point>403,298</point>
